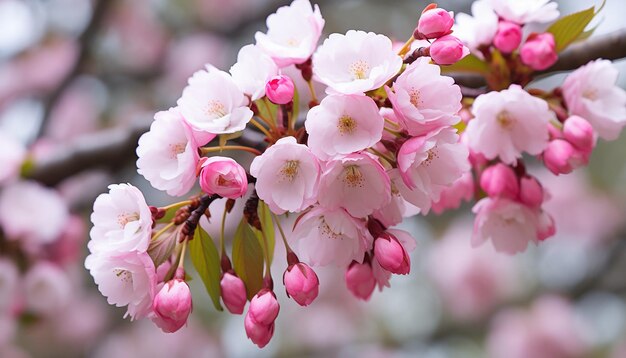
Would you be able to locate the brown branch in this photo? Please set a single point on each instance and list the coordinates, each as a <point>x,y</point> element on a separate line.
<point>611,46</point>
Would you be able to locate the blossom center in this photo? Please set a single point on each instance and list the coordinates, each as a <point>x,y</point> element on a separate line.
<point>124,276</point>
<point>290,169</point>
<point>222,181</point>
<point>505,120</point>
<point>431,155</point>
<point>176,149</point>
<point>591,94</point>
<point>326,230</point>
<point>353,176</point>
<point>123,219</point>
<point>293,42</point>
<point>346,125</point>
<point>414,97</point>
<point>215,109</point>
<point>359,69</point>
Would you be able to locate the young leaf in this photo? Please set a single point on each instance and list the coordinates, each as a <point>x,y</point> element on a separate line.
<point>268,233</point>
<point>170,213</point>
<point>207,262</point>
<point>469,63</point>
<point>266,108</point>
<point>248,258</point>
<point>569,28</point>
<point>224,138</point>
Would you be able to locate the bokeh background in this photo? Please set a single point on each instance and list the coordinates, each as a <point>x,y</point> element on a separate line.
<point>79,74</point>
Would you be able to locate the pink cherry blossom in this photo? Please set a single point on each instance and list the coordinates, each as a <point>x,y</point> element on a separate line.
<point>507,123</point>
<point>122,221</point>
<point>9,285</point>
<point>326,236</point>
<point>591,92</point>
<point>47,289</point>
<point>508,37</point>
<point>279,89</point>
<point>287,176</point>
<point>397,208</point>
<point>360,280</point>
<point>301,283</point>
<point>223,176</point>
<point>448,50</point>
<point>531,192</point>
<point>429,164</point>
<point>451,198</point>
<point>435,23</point>
<point>391,255</point>
<point>252,71</point>
<point>168,153</point>
<point>523,12</point>
<point>292,33</point>
<point>264,307</point>
<point>172,305</point>
<point>478,29</point>
<point>508,224</point>
<point>356,62</point>
<point>560,157</point>
<point>539,51</point>
<point>213,103</point>
<point>127,279</point>
<point>355,182</point>
<point>500,180</point>
<point>342,124</point>
<point>549,329</point>
<point>579,132</point>
<point>259,334</point>
<point>32,213</point>
<point>233,293</point>
<point>423,99</point>
<point>12,155</point>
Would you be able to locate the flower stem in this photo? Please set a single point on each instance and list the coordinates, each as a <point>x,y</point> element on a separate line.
<point>164,229</point>
<point>312,90</point>
<point>222,248</point>
<point>255,123</point>
<point>282,233</point>
<point>176,205</point>
<point>207,150</point>
<point>181,260</point>
<point>406,47</point>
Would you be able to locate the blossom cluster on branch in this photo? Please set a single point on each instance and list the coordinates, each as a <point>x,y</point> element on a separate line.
<point>390,136</point>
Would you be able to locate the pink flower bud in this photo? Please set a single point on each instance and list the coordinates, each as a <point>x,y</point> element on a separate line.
<point>579,132</point>
<point>233,293</point>
<point>258,333</point>
<point>223,176</point>
<point>447,50</point>
<point>279,89</point>
<point>435,23</point>
<point>360,280</point>
<point>531,192</point>
<point>301,283</point>
<point>546,227</point>
<point>539,51</point>
<point>508,37</point>
<point>391,255</point>
<point>172,305</point>
<point>560,157</point>
<point>499,180</point>
<point>264,307</point>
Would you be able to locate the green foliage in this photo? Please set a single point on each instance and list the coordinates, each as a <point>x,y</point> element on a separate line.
<point>224,138</point>
<point>267,234</point>
<point>469,63</point>
<point>248,258</point>
<point>571,28</point>
<point>206,260</point>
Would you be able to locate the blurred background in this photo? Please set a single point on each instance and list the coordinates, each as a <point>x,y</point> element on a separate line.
<point>79,77</point>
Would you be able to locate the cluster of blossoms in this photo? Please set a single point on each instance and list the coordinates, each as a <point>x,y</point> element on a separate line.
<point>390,138</point>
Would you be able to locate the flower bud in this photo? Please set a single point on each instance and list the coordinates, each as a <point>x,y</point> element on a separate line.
<point>560,157</point>
<point>546,227</point>
<point>264,307</point>
<point>223,176</point>
<point>301,283</point>
<point>258,333</point>
<point>579,132</point>
<point>360,280</point>
<point>435,23</point>
<point>539,51</point>
<point>391,255</point>
<point>233,293</point>
<point>508,37</point>
<point>499,180</point>
<point>279,89</point>
<point>447,50</point>
<point>531,192</point>
<point>172,305</point>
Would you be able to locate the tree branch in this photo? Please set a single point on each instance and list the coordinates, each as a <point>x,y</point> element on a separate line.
<point>611,46</point>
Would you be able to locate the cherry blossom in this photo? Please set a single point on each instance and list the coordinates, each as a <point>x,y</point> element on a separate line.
<point>591,93</point>
<point>213,103</point>
<point>168,153</point>
<point>478,29</point>
<point>252,71</point>
<point>356,62</point>
<point>343,124</point>
<point>287,176</point>
<point>523,12</point>
<point>292,33</point>
<point>122,221</point>
<point>356,182</point>
<point>424,100</point>
<point>223,176</point>
<point>47,289</point>
<point>330,236</point>
<point>508,123</point>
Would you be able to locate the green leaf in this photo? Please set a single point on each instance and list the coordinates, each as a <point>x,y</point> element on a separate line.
<point>226,137</point>
<point>170,213</point>
<point>265,216</point>
<point>207,262</point>
<point>266,108</point>
<point>469,63</point>
<point>248,258</point>
<point>569,28</point>
<point>296,105</point>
